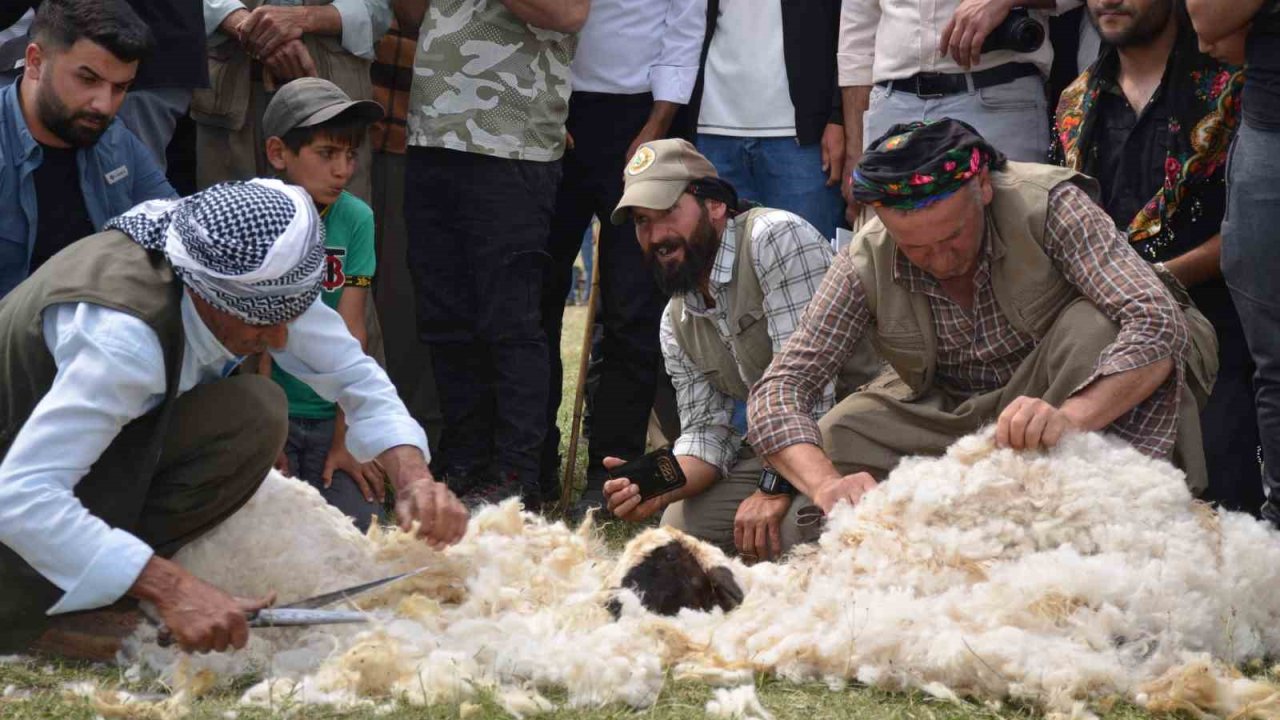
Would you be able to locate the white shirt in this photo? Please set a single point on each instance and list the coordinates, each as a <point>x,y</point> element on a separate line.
<point>630,47</point>
<point>896,39</point>
<point>110,371</point>
<point>746,93</point>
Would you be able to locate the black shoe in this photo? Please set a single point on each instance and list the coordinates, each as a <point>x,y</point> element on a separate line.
<point>592,498</point>
<point>498,487</point>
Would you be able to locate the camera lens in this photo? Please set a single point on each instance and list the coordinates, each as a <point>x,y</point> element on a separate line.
<point>1027,36</point>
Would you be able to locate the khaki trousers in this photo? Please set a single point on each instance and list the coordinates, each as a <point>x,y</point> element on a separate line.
<point>221,440</point>
<point>870,431</point>
<point>709,516</point>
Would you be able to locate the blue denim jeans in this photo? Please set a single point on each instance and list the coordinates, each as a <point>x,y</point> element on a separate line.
<point>306,448</point>
<point>778,173</point>
<point>1251,267</point>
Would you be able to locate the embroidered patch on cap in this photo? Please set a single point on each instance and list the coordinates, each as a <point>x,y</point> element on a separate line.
<point>644,157</point>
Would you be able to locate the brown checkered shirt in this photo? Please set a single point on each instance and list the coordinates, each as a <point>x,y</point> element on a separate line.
<point>979,350</point>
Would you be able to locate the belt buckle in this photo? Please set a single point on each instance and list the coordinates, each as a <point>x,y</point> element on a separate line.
<point>925,76</point>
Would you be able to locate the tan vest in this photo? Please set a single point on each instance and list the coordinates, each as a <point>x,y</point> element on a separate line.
<point>225,103</point>
<point>751,345</point>
<point>1029,290</point>
<point>107,269</point>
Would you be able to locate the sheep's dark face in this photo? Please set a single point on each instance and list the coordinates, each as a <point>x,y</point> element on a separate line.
<point>670,579</point>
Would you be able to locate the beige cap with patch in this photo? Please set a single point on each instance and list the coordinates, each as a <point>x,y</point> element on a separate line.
<point>658,175</point>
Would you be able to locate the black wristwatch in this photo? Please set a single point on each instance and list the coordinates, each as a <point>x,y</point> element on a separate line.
<point>771,483</point>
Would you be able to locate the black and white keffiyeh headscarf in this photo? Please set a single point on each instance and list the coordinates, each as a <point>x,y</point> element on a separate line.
<point>253,249</point>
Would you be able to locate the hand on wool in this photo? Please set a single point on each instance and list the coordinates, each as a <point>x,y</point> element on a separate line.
<point>622,497</point>
<point>848,488</point>
<point>757,527</point>
<point>367,476</point>
<point>442,519</point>
<point>1032,424</point>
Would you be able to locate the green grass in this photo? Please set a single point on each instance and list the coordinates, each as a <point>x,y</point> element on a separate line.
<point>43,680</point>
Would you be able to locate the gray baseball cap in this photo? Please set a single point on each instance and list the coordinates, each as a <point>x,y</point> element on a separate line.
<point>658,175</point>
<point>310,101</point>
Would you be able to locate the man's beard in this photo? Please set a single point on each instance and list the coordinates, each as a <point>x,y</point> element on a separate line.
<point>60,121</point>
<point>1145,28</point>
<point>699,252</point>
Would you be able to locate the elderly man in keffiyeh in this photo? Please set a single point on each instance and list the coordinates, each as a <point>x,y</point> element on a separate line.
<point>123,436</point>
<point>1152,120</point>
<point>998,292</point>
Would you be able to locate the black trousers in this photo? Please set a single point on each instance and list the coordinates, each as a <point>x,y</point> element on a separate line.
<point>221,440</point>
<point>603,127</point>
<point>1229,421</point>
<point>477,240</point>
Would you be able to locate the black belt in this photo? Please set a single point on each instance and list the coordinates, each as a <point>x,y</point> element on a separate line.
<point>936,85</point>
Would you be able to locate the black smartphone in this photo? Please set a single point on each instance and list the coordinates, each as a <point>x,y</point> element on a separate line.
<point>655,473</point>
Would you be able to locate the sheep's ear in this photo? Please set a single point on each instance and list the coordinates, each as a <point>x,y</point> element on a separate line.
<point>728,594</point>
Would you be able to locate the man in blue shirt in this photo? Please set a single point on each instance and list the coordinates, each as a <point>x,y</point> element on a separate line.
<point>57,134</point>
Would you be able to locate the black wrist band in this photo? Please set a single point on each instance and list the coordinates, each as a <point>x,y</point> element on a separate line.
<point>771,483</point>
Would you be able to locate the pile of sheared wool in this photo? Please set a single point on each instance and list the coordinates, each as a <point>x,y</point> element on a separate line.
<point>1067,580</point>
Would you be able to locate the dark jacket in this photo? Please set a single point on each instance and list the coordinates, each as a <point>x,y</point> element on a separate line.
<point>810,30</point>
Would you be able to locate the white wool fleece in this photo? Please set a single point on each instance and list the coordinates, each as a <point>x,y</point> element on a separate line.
<point>1060,578</point>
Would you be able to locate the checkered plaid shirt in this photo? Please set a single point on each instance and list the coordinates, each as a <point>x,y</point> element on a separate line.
<point>790,258</point>
<point>979,350</point>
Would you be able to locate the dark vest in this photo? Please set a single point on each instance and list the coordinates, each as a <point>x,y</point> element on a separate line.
<point>107,269</point>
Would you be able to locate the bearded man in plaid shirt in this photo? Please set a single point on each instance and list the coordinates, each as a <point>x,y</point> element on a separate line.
<point>739,279</point>
<point>998,292</point>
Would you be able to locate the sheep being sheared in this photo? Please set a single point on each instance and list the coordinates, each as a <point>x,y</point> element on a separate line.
<point>1078,575</point>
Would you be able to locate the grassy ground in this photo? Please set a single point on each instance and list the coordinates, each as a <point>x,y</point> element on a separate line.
<point>33,689</point>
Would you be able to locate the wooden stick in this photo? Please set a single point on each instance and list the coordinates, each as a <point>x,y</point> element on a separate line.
<point>579,398</point>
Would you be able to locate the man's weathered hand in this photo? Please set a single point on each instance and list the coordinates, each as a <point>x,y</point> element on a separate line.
<point>199,616</point>
<point>442,519</point>
<point>833,155</point>
<point>757,527</point>
<point>849,488</point>
<point>269,27</point>
<point>1031,424</point>
<point>622,497</point>
<point>969,27</point>
<point>282,463</point>
<point>290,62</point>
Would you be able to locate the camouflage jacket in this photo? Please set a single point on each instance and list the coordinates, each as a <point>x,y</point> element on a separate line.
<point>487,82</point>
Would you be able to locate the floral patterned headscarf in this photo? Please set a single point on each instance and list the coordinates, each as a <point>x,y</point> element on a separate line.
<point>915,165</point>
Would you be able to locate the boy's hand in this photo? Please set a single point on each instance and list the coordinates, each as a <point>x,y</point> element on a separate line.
<point>367,476</point>
<point>282,463</point>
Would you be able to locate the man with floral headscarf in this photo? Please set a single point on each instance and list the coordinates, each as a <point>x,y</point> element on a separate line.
<point>122,436</point>
<point>998,292</point>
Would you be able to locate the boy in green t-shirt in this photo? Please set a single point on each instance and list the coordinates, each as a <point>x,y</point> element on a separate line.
<point>313,130</point>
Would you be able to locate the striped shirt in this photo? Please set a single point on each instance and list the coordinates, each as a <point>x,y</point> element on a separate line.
<point>979,350</point>
<point>790,257</point>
